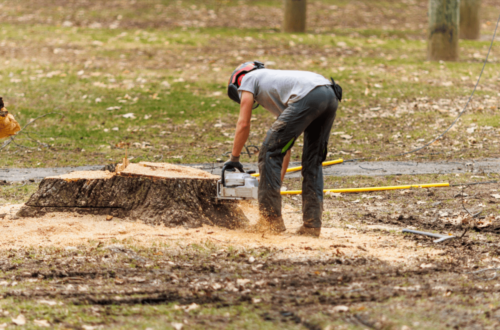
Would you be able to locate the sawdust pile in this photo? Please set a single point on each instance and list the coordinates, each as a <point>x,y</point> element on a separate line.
<point>62,229</point>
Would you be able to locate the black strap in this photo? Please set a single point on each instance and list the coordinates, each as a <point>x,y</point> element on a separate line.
<point>337,90</point>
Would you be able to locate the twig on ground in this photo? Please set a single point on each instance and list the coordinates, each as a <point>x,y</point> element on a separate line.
<point>485,270</point>
<point>364,322</point>
<point>472,219</point>
<point>473,216</point>
<point>11,139</point>
<point>45,145</point>
<point>20,145</point>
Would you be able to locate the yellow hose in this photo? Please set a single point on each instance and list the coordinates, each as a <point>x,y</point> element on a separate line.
<point>358,190</point>
<point>298,168</point>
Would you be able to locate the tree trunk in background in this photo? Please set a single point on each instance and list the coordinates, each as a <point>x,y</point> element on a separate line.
<point>295,16</point>
<point>470,27</point>
<point>444,16</point>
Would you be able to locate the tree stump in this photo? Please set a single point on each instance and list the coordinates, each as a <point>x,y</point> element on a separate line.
<point>295,16</point>
<point>470,24</point>
<point>443,30</point>
<point>154,193</point>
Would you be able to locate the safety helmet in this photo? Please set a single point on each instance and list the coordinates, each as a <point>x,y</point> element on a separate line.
<point>237,77</point>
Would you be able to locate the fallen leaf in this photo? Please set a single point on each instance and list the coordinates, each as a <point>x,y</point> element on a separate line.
<point>497,196</point>
<point>340,309</point>
<point>177,326</point>
<point>48,302</point>
<point>42,323</point>
<point>19,320</point>
<point>191,307</point>
<point>427,266</point>
<point>88,327</point>
<point>242,281</point>
<point>129,115</point>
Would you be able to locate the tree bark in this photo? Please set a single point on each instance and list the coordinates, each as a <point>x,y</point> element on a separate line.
<point>169,201</point>
<point>295,16</point>
<point>444,16</point>
<point>470,24</point>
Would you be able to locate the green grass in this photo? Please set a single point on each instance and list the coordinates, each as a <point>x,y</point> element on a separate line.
<point>67,70</point>
<point>16,193</point>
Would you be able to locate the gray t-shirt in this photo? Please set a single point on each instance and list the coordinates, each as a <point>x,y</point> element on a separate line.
<point>275,89</point>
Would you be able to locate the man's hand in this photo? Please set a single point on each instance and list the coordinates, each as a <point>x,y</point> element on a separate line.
<point>233,165</point>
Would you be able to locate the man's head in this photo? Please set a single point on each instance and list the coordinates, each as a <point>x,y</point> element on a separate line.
<point>237,77</point>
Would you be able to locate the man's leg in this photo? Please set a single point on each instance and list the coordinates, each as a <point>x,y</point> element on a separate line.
<point>316,138</point>
<point>280,138</point>
<point>269,188</point>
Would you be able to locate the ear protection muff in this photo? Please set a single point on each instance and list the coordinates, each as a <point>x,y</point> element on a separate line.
<point>237,77</point>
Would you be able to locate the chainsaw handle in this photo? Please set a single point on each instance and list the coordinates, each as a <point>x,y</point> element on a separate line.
<point>223,179</point>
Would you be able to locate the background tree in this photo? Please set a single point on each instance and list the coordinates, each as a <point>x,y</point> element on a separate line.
<point>295,16</point>
<point>444,16</point>
<point>470,27</point>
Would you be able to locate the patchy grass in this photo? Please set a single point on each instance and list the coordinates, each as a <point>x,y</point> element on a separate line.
<point>80,60</point>
<point>91,286</point>
<point>16,193</point>
<point>167,63</point>
<point>96,285</point>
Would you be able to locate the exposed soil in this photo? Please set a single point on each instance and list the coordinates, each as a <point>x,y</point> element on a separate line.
<point>63,229</point>
<point>285,278</point>
<point>361,272</point>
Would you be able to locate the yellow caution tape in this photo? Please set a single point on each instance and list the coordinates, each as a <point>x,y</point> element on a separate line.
<point>298,168</point>
<point>358,190</point>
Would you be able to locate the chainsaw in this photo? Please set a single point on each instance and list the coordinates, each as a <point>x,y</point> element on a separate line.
<point>237,186</point>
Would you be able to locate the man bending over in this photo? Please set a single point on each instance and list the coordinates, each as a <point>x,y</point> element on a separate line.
<point>303,102</point>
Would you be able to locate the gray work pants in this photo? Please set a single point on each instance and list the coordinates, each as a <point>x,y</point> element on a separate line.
<point>313,115</point>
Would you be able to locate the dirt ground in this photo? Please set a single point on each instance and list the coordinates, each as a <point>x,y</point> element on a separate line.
<point>361,273</point>
<point>63,230</point>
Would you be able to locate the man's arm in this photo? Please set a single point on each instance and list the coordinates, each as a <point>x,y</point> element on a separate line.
<point>243,126</point>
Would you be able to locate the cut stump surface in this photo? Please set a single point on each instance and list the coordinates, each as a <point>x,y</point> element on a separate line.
<point>154,193</point>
